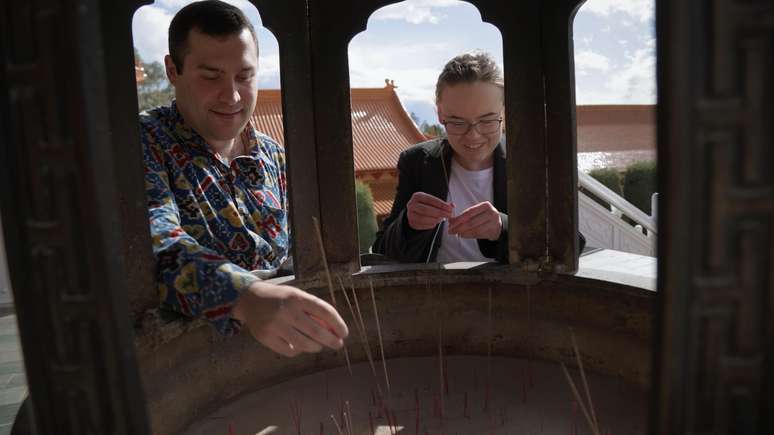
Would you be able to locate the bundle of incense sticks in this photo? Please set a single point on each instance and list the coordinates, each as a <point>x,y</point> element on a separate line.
<point>591,418</point>
<point>330,281</point>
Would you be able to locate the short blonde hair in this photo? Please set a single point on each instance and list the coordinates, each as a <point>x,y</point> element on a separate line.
<point>469,68</point>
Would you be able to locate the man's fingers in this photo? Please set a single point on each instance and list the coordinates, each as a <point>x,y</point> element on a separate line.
<point>278,345</point>
<point>301,342</point>
<point>325,314</point>
<point>317,330</point>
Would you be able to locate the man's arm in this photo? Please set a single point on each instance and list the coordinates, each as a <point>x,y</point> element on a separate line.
<point>192,279</point>
<point>199,282</point>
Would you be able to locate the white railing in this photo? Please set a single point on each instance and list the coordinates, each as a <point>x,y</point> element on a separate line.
<point>605,228</point>
<point>5,287</point>
<point>619,203</point>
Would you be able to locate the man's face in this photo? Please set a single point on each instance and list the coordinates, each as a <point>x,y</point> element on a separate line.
<point>217,90</point>
<point>471,103</point>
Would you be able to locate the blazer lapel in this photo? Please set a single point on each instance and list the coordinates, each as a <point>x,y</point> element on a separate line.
<point>499,178</point>
<point>438,169</point>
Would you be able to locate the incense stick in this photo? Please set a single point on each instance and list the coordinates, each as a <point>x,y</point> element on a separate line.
<point>358,325</point>
<point>362,328</point>
<point>379,333</point>
<point>349,416</point>
<point>330,281</point>
<point>583,378</point>
<point>489,338</point>
<point>440,347</point>
<point>338,428</point>
<point>579,400</point>
<point>324,259</point>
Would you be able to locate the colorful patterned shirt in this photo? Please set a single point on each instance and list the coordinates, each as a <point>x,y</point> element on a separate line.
<point>211,223</point>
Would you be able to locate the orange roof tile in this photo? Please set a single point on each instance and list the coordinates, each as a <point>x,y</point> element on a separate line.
<point>381,128</point>
<point>616,127</point>
<point>383,207</point>
<point>383,193</point>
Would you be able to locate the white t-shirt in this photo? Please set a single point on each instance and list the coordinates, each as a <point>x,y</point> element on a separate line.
<point>466,189</point>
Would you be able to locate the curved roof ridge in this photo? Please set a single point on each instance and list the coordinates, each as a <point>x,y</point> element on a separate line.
<point>381,127</point>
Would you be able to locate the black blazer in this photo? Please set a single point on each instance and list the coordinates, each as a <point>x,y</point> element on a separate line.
<point>420,169</point>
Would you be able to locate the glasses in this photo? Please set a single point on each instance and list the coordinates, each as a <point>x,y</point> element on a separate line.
<point>461,128</point>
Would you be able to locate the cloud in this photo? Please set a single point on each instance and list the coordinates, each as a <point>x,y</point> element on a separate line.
<point>268,69</point>
<point>151,24</point>
<point>642,10</point>
<point>420,65</point>
<point>632,83</point>
<point>149,29</point>
<point>637,80</point>
<point>415,11</point>
<point>176,5</point>
<point>587,59</point>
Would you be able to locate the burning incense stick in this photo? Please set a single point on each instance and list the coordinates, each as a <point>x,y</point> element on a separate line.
<point>379,333</point>
<point>489,338</point>
<point>440,347</point>
<point>583,378</point>
<point>295,409</point>
<point>349,417</point>
<point>338,428</point>
<point>330,281</point>
<point>440,363</point>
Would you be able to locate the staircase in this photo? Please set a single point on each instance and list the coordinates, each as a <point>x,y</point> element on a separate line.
<point>6,299</point>
<point>604,227</point>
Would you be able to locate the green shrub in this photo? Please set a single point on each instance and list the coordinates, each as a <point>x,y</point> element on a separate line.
<point>366,219</point>
<point>610,177</point>
<point>639,184</point>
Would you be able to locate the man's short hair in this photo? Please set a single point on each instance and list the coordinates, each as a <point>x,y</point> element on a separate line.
<point>210,17</point>
<point>469,68</point>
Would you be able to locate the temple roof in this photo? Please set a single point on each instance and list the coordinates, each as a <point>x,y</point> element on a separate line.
<point>381,128</point>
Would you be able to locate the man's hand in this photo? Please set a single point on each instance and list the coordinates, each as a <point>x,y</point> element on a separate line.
<point>481,221</point>
<point>426,211</point>
<point>289,321</point>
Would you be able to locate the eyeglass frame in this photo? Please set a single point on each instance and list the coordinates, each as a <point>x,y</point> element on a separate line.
<point>474,125</point>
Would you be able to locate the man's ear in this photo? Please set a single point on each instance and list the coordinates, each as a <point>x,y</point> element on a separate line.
<point>171,69</point>
<point>438,113</point>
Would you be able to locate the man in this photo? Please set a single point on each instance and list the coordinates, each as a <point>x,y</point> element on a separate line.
<point>216,191</point>
<point>457,182</point>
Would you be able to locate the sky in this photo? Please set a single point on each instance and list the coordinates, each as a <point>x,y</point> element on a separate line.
<point>409,42</point>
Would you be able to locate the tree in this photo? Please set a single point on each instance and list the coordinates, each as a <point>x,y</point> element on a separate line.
<point>431,130</point>
<point>415,118</point>
<point>155,90</point>
<point>366,219</point>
